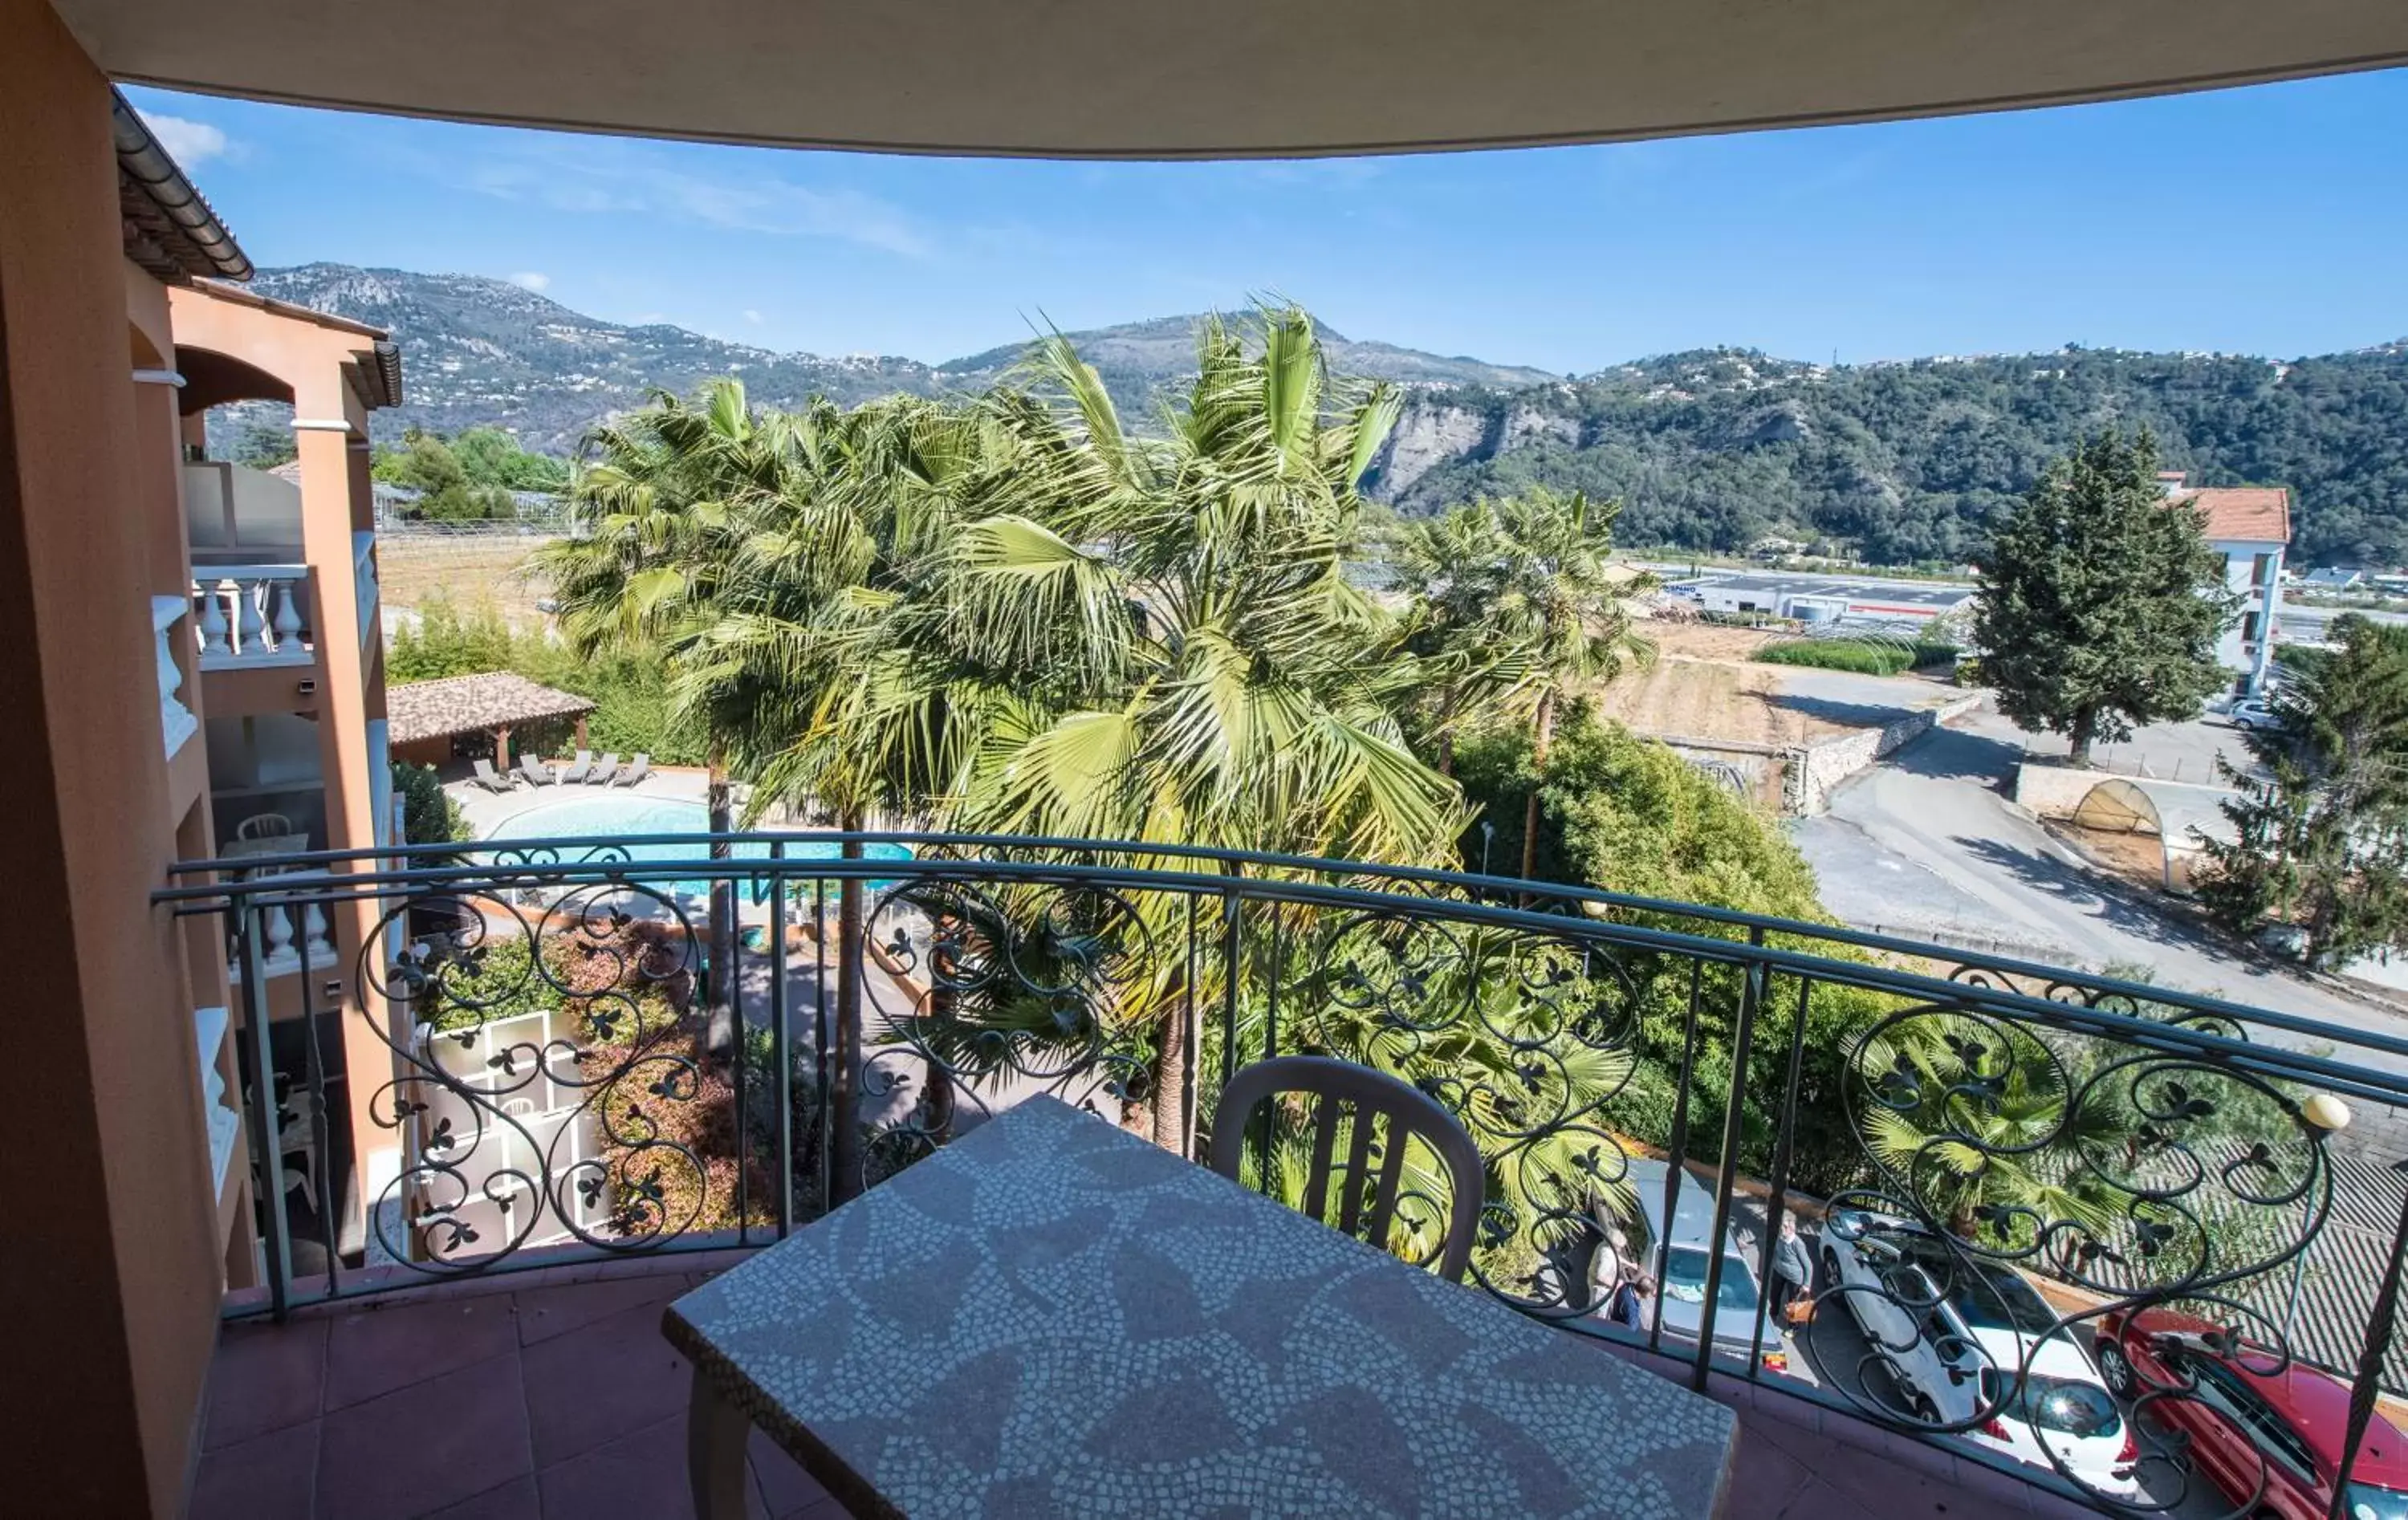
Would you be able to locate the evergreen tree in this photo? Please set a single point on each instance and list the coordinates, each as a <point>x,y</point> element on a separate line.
<point>448,491</point>
<point>2101,602</point>
<point>2321,824</point>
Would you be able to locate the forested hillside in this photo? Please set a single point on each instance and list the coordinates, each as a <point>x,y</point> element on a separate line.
<point>1900,462</point>
<point>1912,462</point>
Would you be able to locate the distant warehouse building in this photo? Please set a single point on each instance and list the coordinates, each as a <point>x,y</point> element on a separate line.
<point>1822,599</point>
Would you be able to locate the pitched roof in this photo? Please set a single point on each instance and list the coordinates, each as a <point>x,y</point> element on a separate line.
<point>2259,513</point>
<point>471,704</point>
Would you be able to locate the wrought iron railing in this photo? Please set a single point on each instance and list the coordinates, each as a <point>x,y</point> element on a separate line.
<point>2007,1172</point>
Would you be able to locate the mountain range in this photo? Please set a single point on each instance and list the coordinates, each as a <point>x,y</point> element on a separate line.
<point>1902,461</point>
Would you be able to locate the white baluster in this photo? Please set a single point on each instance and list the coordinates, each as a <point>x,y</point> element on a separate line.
<point>279,936</point>
<point>288,617</point>
<point>213,619</point>
<point>176,720</point>
<point>248,638</point>
<point>318,949</point>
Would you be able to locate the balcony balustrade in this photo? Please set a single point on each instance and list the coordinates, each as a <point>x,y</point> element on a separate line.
<point>176,720</point>
<point>2006,1172</point>
<point>252,616</point>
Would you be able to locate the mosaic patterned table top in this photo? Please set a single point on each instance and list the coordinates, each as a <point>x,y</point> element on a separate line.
<point>1051,1317</point>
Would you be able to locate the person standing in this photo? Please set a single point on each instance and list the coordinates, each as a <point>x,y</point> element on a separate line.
<point>1792,1270</point>
<point>1629,1305</point>
<point>1606,1268</point>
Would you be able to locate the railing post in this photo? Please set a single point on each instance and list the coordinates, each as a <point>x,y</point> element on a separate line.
<point>1230,907</point>
<point>1679,1153</point>
<point>781,1048</point>
<point>267,1163</point>
<point>1778,1204</point>
<point>826,1137</point>
<point>2381,1323</point>
<point>728,980</point>
<point>1192,1034</point>
<point>1750,995</point>
<point>319,1158</point>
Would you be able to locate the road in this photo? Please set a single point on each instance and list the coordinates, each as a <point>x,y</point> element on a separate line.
<point>1925,845</point>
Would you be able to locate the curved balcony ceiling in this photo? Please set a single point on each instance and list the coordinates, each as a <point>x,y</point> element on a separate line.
<point>1236,78</point>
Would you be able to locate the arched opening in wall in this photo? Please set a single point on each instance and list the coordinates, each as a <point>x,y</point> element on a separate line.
<point>2120,821</point>
<point>2118,807</point>
<point>235,410</point>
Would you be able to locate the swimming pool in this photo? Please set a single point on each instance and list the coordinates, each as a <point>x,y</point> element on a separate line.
<point>608,817</point>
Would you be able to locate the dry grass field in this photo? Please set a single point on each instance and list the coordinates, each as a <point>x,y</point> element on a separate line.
<point>472,570</point>
<point>1702,686</point>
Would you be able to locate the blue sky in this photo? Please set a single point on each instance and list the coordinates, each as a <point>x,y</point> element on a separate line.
<point>2272,220</point>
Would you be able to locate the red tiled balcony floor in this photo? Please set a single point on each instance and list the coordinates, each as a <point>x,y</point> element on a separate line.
<point>551,1394</point>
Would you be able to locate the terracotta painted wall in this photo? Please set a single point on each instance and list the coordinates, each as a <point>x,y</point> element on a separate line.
<point>109,1271</point>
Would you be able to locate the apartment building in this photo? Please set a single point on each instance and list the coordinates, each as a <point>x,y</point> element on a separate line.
<point>2250,526</point>
<point>264,668</point>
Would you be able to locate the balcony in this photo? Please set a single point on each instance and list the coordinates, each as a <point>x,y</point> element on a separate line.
<point>255,616</point>
<point>2000,1169</point>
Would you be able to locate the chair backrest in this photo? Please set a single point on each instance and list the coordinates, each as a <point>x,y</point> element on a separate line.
<point>264,825</point>
<point>484,767</point>
<point>1367,1205</point>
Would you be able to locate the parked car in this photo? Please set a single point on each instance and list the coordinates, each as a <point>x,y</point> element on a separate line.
<point>2252,1419</point>
<point>2251,713</point>
<point>1965,1338</point>
<point>1689,1249</point>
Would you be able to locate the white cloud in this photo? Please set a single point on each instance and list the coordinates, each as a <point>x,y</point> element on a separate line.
<point>753,317</point>
<point>534,280</point>
<point>191,144</point>
<point>594,178</point>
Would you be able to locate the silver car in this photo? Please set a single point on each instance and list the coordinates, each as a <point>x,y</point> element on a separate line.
<point>1680,1259</point>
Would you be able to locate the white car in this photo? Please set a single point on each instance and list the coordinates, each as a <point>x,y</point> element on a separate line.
<point>1983,1343</point>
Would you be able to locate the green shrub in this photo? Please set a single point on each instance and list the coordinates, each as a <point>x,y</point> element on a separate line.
<point>1863,658</point>
<point>428,814</point>
<point>632,713</point>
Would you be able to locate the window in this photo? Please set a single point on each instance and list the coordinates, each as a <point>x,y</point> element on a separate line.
<point>2227,1392</point>
<point>2252,626</point>
<point>2262,573</point>
<point>1685,1278</point>
<point>2067,1405</point>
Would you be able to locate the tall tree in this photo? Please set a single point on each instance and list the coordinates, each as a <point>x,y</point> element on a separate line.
<point>2100,601</point>
<point>1056,627</point>
<point>659,508</point>
<point>1518,599</point>
<point>2320,823</point>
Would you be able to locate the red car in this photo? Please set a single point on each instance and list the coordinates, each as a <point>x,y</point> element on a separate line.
<point>2250,1425</point>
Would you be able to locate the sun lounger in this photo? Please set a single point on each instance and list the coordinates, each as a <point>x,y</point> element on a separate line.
<point>487,778</point>
<point>637,770</point>
<point>533,771</point>
<point>578,768</point>
<point>603,770</point>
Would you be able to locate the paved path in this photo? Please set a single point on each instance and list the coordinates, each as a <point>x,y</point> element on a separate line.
<point>1925,845</point>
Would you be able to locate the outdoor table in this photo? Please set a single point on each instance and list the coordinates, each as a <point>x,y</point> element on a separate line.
<point>1051,1317</point>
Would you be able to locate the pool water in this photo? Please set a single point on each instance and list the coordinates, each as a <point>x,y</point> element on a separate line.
<point>627,817</point>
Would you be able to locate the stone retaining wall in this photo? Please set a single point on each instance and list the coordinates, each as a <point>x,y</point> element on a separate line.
<point>1814,771</point>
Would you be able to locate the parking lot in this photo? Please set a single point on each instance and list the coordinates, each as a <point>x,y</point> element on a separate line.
<point>1830,1353</point>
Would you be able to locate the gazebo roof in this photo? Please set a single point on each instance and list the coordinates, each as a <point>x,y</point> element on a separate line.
<point>473,704</point>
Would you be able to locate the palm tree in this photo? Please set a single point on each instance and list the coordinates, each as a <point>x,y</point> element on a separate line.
<point>1520,596</point>
<point>1228,685</point>
<point>1051,625</point>
<point>823,664</point>
<point>659,507</point>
